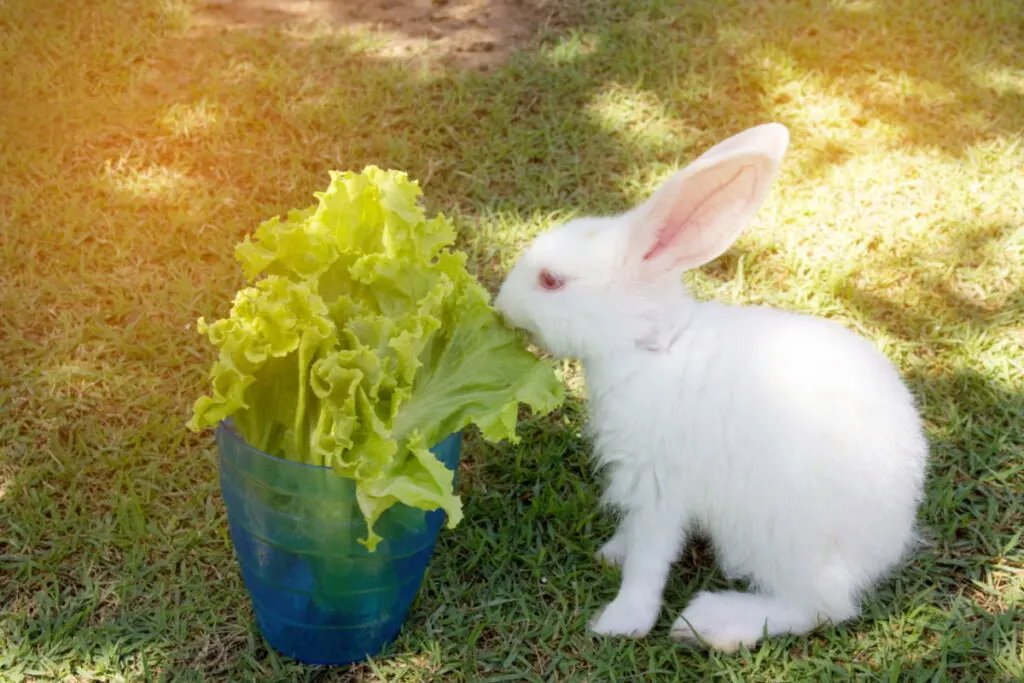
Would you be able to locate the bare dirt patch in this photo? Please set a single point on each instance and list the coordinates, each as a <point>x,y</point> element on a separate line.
<point>468,33</point>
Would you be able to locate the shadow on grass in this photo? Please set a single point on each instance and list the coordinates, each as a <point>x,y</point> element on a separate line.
<point>930,291</point>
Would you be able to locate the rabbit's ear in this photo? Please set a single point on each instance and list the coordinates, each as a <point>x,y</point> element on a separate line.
<point>698,213</point>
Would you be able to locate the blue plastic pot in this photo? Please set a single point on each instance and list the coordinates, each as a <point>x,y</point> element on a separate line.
<point>319,596</point>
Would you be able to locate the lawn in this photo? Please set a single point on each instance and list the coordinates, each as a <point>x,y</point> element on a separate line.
<point>141,139</point>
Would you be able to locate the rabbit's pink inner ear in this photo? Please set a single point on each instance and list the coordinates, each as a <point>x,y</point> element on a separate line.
<point>698,215</point>
<point>682,217</point>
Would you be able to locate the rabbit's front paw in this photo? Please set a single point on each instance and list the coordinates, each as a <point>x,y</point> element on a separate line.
<point>623,618</point>
<point>613,553</point>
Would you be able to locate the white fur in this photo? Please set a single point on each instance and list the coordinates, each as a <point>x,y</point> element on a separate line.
<point>790,440</point>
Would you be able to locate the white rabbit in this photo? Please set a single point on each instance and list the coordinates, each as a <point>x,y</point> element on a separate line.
<point>788,439</point>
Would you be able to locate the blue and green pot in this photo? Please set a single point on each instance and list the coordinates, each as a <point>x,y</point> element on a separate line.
<point>319,596</point>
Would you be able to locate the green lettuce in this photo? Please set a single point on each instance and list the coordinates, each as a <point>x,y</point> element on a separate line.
<point>363,341</point>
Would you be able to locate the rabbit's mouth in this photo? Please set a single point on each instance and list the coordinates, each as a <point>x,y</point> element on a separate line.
<point>501,305</point>
<point>530,331</point>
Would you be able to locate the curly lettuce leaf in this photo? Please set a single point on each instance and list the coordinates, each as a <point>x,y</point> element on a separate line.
<point>480,378</point>
<point>423,482</point>
<point>260,378</point>
<point>364,343</point>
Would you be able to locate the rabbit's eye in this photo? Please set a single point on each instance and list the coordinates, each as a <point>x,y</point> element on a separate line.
<point>550,281</point>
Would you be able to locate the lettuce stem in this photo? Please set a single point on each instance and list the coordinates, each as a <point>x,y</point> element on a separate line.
<point>301,428</point>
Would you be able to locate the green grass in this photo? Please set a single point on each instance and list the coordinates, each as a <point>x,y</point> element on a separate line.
<point>135,152</point>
